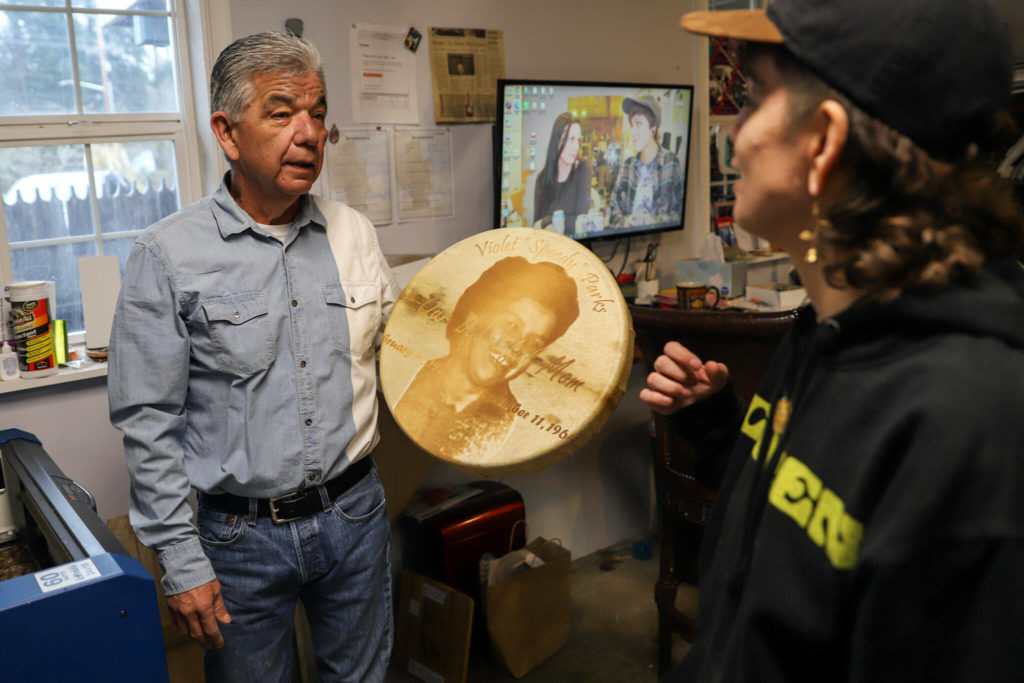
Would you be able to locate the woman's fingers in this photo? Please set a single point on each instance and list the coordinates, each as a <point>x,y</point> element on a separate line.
<point>680,379</point>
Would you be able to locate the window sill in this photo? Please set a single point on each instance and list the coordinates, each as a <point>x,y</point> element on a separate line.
<point>86,369</point>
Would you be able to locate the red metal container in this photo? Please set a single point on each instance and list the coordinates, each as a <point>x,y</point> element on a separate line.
<point>446,530</point>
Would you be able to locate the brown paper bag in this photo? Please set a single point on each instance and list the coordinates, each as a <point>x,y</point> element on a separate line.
<point>528,614</point>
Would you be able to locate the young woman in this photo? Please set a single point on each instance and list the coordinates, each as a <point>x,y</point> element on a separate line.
<point>564,182</point>
<point>869,522</point>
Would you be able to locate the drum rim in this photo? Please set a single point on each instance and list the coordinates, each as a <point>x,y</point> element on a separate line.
<point>590,423</point>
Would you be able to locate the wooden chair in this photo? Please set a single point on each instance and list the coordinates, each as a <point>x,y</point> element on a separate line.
<point>745,342</point>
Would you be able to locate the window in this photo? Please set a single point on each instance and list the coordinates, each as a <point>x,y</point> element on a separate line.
<point>94,134</point>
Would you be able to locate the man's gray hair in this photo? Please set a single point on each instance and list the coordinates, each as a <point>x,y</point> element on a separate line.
<point>231,87</point>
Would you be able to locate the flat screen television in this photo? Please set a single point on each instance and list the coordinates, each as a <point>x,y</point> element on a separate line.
<point>591,160</point>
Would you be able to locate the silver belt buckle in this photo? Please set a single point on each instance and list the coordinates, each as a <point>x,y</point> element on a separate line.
<point>294,495</point>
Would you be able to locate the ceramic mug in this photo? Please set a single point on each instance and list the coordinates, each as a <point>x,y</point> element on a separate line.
<point>693,295</point>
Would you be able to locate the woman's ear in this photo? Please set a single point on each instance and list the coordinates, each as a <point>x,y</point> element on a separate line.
<point>224,128</point>
<point>833,126</point>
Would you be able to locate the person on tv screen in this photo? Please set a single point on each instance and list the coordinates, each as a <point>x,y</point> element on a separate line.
<point>649,189</point>
<point>564,182</point>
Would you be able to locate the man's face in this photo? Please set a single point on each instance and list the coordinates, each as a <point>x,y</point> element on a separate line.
<point>508,341</point>
<point>641,128</point>
<point>279,143</point>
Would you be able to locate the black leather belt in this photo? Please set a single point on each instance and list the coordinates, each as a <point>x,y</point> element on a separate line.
<point>292,505</point>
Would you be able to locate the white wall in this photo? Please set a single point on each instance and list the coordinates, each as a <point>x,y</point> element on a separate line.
<point>595,497</point>
<point>602,494</point>
<point>72,422</point>
<point>616,40</point>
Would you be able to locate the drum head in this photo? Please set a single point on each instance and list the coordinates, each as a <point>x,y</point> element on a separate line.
<point>507,351</point>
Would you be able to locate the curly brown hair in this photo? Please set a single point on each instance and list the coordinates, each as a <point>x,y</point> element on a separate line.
<point>908,220</point>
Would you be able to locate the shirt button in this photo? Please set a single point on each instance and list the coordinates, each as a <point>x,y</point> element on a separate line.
<point>309,422</point>
<point>294,303</point>
<point>310,477</point>
<point>352,299</point>
<point>236,315</point>
<point>302,363</point>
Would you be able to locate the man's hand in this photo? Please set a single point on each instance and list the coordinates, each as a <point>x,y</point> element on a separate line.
<point>680,379</point>
<point>196,613</point>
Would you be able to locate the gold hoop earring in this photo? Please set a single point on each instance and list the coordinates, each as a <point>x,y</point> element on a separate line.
<point>813,235</point>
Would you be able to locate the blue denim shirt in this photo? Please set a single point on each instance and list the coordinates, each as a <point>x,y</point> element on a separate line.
<point>242,364</point>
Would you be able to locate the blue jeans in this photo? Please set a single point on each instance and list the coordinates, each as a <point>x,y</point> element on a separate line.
<point>335,561</point>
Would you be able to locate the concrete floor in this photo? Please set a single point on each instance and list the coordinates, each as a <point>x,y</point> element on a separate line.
<point>614,626</point>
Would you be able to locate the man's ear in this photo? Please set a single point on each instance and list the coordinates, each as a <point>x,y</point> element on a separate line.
<point>832,126</point>
<point>225,129</point>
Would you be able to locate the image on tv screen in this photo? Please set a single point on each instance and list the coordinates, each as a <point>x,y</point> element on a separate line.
<point>592,160</point>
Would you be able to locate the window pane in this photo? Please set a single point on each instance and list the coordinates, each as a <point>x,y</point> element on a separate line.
<point>155,5</point>
<point>37,3</point>
<point>60,264</point>
<point>45,192</point>
<point>121,246</point>
<point>126,63</point>
<point>46,189</point>
<point>36,75</point>
<point>142,190</point>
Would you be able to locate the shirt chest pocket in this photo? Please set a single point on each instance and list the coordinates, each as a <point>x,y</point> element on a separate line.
<point>240,332</point>
<point>354,315</point>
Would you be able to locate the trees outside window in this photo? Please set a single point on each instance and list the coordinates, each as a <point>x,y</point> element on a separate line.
<point>94,133</point>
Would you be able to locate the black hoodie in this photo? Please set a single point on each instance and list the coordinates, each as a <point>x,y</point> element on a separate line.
<point>879,535</point>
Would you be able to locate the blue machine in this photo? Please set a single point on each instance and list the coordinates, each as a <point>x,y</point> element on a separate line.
<point>86,611</point>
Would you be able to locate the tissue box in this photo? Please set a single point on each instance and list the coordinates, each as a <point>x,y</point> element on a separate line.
<point>777,295</point>
<point>730,277</point>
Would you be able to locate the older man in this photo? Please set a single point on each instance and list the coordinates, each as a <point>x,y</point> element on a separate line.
<point>242,365</point>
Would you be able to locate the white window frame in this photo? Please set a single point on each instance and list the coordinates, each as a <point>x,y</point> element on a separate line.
<point>187,17</point>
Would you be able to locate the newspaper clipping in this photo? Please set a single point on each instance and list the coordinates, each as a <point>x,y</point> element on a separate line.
<point>359,172</point>
<point>465,64</point>
<point>423,172</point>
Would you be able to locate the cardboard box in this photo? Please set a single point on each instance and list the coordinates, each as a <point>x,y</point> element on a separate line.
<point>730,277</point>
<point>434,627</point>
<point>777,295</point>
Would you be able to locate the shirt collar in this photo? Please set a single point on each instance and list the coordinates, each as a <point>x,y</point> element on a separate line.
<point>232,219</point>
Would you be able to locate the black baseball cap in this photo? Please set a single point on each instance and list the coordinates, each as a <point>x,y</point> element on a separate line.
<point>934,70</point>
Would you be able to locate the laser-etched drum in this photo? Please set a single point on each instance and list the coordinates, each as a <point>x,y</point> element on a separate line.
<point>507,351</point>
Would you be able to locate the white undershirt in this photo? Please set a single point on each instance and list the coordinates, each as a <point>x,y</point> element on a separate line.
<point>278,232</point>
